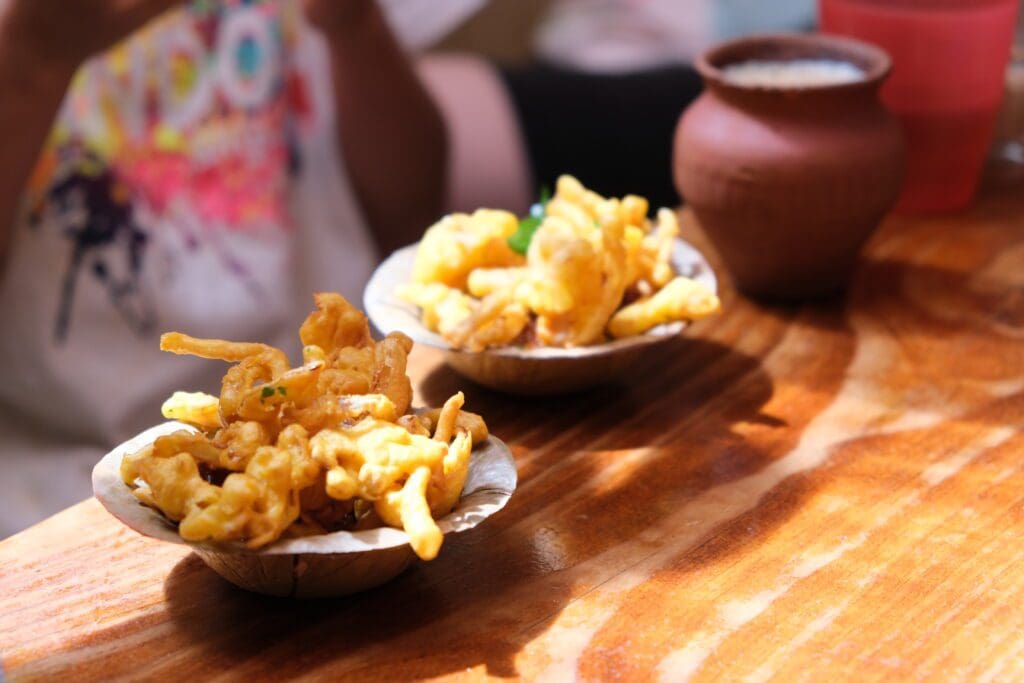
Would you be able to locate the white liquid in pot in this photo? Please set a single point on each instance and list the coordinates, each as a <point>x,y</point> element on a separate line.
<point>794,73</point>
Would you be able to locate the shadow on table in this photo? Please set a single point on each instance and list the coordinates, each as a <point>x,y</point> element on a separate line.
<point>926,299</point>
<point>685,396</point>
<point>942,340</point>
<point>436,618</point>
<point>596,470</point>
<point>947,342</point>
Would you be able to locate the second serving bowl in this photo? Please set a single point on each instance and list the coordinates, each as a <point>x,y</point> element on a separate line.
<point>518,370</point>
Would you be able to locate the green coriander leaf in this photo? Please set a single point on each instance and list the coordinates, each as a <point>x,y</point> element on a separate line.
<point>282,390</point>
<point>266,393</point>
<point>519,242</point>
<point>545,195</point>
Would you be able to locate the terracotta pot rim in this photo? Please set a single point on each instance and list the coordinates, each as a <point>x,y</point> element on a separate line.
<point>875,61</point>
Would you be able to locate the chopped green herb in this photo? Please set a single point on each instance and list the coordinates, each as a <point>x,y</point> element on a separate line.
<point>282,390</point>
<point>266,393</point>
<point>520,241</point>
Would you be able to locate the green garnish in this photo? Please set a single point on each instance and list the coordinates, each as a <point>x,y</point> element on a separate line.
<point>520,241</point>
<point>282,390</point>
<point>266,393</point>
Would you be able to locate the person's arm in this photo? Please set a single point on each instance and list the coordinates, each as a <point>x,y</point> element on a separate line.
<point>42,43</point>
<point>29,99</point>
<point>391,134</point>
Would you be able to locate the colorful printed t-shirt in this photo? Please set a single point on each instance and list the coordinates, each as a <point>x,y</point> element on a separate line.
<point>190,183</point>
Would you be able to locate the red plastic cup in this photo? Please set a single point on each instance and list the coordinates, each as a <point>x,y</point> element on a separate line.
<point>949,63</point>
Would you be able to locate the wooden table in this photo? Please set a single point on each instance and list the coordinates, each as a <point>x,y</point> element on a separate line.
<point>818,492</point>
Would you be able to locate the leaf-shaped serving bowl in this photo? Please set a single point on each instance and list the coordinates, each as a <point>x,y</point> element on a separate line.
<point>518,370</point>
<point>326,565</point>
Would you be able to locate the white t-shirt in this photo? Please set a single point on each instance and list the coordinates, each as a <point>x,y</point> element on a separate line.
<point>191,183</point>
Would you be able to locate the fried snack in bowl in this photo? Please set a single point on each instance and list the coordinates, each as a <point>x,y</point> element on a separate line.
<point>586,256</point>
<point>460,243</point>
<point>601,283</point>
<point>308,481</point>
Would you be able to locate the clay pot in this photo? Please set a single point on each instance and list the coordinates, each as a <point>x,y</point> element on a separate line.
<point>789,182</point>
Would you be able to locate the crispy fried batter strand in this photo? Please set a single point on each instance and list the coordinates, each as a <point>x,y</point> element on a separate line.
<point>587,255</point>
<point>328,445</point>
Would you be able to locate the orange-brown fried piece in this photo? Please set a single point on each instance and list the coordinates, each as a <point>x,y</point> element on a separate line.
<point>255,506</point>
<point>495,321</point>
<point>444,491</point>
<point>261,401</point>
<point>173,485</point>
<point>256,364</point>
<point>219,349</point>
<point>390,358</point>
<point>194,443</point>
<point>587,272</point>
<point>336,324</point>
<point>239,442</point>
<point>305,450</point>
<point>465,422</point>
<point>406,508</point>
<point>415,424</point>
<point>368,458</point>
<point>444,428</point>
<point>350,372</point>
<point>333,411</point>
<point>294,440</point>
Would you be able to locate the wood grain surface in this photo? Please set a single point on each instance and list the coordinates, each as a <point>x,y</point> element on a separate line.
<point>822,492</point>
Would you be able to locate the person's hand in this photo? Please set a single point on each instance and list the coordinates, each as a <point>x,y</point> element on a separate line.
<point>61,34</point>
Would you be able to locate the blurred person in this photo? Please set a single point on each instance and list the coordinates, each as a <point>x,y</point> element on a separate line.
<point>489,165</point>
<point>171,166</point>
<point>601,99</point>
<point>612,78</point>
